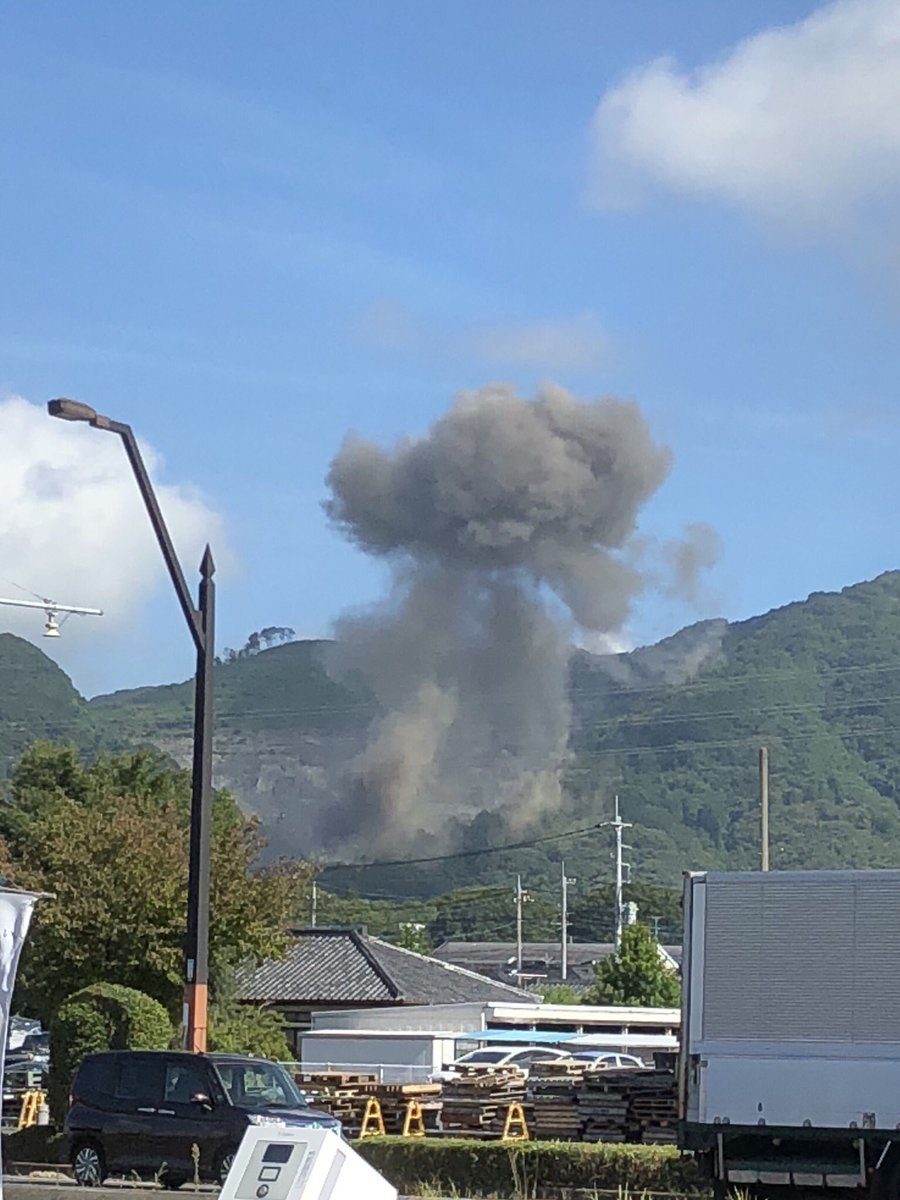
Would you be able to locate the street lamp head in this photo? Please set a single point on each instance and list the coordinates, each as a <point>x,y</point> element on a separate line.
<point>71,410</point>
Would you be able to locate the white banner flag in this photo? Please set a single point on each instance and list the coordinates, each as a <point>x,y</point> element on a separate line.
<point>15,917</point>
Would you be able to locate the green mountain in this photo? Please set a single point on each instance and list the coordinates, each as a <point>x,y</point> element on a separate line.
<point>37,700</point>
<point>674,729</point>
<point>817,682</point>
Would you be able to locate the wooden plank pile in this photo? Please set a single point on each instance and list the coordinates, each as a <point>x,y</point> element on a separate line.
<point>338,1093</point>
<point>654,1106</point>
<point>563,1101</point>
<point>344,1096</point>
<point>476,1103</point>
<point>628,1105</point>
<point>553,1092</point>
<point>603,1105</point>
<point>394,1098</point>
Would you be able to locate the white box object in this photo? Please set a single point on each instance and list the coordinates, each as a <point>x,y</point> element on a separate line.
<point>290,1162</point>
<point>792,1011</point>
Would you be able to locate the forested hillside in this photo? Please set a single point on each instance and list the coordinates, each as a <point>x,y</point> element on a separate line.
<point>37,700</point>
<point>674,729</point>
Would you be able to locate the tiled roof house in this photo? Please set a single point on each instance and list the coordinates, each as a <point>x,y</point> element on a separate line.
<point>344,968</point>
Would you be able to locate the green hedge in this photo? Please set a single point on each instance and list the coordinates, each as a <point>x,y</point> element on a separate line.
<point>39,1144</point>
<point>466,1167</point>
<point>461,1167</point>
<point>103,1016</point>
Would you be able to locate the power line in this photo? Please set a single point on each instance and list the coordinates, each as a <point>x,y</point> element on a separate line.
<point>473,853</point>
<point>611,722</point>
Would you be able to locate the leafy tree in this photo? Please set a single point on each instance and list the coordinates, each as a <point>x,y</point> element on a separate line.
<point>560,993</point>
<point>414,936</point>
<point>636,975</point>
<point>488,914</point>
<point>381,918</point>
<point>236,1028</point>
<point>110,842</point>
<point>592,916</point>
<point>272,635</point>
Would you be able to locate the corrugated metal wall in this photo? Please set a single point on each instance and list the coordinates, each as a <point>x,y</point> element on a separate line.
<point>812,957</point>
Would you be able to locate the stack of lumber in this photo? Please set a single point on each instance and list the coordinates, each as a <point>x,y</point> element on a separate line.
<point>476,1104</point>
<point>563,1101</point>
<point>553,1091</point>
<point>345,1096</point>
<point>654,1105</point>
<point>628,1105</point>
<point>395,1097</point>
<point>603,1105</point>
<point>338,1093</point>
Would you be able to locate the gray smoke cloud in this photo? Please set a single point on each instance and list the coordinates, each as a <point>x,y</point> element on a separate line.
<point>507,523</point>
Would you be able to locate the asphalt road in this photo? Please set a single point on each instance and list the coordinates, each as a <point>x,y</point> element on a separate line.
<point>40,1189</point>
<point>16,1188</point>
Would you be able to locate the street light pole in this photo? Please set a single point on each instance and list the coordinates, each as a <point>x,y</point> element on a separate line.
<point>201,623</point>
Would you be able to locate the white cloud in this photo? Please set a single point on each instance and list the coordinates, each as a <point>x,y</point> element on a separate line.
<point>800,123</point>
<point>576,344</point>
<point>73,527</point>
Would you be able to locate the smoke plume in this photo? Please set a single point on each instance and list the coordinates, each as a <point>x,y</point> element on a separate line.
<point>507,523</point>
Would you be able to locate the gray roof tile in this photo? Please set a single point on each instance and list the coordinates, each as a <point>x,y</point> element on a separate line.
<point>340,966</point>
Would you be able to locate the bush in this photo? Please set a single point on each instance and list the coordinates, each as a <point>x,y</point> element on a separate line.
<point>103,1016</point>
<point>477,1168</point>
<point>39,1144</point>
<point>243,1029</point>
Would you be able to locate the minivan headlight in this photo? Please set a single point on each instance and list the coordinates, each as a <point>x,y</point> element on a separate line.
<point>262,1119</point>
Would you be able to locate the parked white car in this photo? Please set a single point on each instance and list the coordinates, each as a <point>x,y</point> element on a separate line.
<point>606,1058</point>
<point>499,1056</point>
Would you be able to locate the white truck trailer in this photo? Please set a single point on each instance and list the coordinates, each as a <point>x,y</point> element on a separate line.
<point>789,1072</point>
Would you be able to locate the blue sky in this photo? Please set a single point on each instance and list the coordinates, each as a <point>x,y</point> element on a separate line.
<point>250,229</point>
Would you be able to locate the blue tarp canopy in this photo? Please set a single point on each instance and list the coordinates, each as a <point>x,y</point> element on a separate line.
<point>530,1037</point>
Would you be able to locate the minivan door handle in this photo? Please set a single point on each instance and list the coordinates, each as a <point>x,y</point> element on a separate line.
<point>147,1110</point>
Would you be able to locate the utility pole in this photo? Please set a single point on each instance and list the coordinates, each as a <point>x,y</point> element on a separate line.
<point>315,901</point>
<point>521,897</point>
<point>564,929</point>
<point>619,826</point>
<point>764,808</point>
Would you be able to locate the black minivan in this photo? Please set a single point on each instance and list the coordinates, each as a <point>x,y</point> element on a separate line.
<point>175,1116</point>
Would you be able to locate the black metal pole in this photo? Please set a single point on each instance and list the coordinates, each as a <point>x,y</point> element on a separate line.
<point>201,623</point>
<point>196,959</point>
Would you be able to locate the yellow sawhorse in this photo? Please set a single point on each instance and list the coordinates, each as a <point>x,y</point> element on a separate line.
<point>514,1127</point>
<point>373,1121</point>
<point>414,1121</point>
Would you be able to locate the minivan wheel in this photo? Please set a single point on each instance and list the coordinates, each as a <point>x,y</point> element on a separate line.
<point>88,1165</point>
<point>225,1163</point>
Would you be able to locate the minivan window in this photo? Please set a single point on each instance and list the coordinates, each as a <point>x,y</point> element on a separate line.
<point>259,1085</point>
<point>95,1077</point>
<point>137,1079</point>
<point>184,1080</point>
